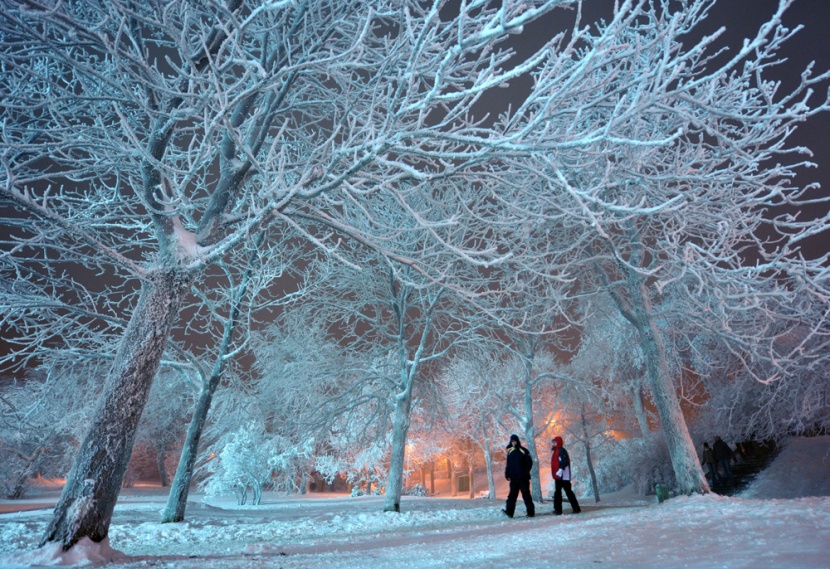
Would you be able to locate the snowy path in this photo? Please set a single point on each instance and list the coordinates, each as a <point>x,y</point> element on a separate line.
<point>697,532</point>
<point>623,531</point>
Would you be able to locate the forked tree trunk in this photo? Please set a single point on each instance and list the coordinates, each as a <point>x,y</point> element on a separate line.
<point>394,486</point>
<point>88,499</point>
<point>22,481</point>
<point>20,484</point>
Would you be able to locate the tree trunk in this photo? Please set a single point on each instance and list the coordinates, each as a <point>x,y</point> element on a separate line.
<point>488,459</point>
<point>587,441</point>
<point>177,498</point>
<point>22,481</point>
<point>20,485</point>
<point>639,409</point>
<point>394,486</point>
<point>470,474</point>
<point>530,437</point>
<point>432,479</point>
<point>453,481</point>
<point>161,456</point>
<point>594,483</point>
<point>687,469</point>
<point>86,504</point>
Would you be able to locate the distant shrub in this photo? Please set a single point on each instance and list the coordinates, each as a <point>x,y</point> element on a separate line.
<point>416,490</point>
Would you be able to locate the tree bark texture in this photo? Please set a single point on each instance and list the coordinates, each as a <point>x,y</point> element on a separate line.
<point>88,499</point>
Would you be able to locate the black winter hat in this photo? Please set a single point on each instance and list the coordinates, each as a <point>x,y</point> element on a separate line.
<point>514,438</point>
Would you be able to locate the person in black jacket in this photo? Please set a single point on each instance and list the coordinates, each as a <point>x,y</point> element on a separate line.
<point>709,461</point>
<point>517,471</point>
<point>723,454</point>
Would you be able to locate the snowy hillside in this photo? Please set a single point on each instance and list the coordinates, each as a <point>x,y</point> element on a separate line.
<point>621,531</point>
<point>801,470</point>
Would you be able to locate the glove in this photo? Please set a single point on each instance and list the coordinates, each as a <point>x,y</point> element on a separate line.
<point>559,473</point>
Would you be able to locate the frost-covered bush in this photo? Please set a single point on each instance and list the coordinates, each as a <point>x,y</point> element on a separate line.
<point>416,490</point>
<point>251,459</point>
<point>637,461</point>
<point>375,491</point>
<point>362,468</point>
<point>245,463</point>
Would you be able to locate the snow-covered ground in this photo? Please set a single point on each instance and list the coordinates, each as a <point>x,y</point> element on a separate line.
<point>782,520</point>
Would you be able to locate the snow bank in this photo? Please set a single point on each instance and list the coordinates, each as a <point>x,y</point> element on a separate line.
<point>85,553</point>
<point>802,469</point>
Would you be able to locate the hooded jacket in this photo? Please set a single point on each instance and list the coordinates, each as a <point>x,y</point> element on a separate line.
<point>560,462</point>
<point>519,461</point>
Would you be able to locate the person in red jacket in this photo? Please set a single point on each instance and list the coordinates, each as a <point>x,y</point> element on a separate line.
<point>560,469</point>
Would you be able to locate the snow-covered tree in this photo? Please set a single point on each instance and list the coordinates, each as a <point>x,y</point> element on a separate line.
<point>248,458</point>
<point>288,394</point>
<point>406,321</point>
<point>794,396</point>
<point>144,142</point>
<point>467,389</point>
<point>610,365</point>
<point>222,318</point>
<point>683,183</point>
<point>522,384</point>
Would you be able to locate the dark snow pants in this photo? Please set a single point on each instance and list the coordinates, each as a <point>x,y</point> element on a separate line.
<point>565,485</point>
<point>522,486</point>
